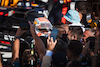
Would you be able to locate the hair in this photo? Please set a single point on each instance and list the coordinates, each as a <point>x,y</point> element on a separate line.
<point>81,6</point>
<point>75,63</point>
<point>61,46</point>
<point>27,57</point>
<point>90,29</point>
<point>76,30</point>
<point>75,47</point>
<point>59,59</point>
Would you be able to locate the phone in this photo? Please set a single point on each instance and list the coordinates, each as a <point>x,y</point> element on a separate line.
<point>92,42</point>
<point>54,33</point>
<point>24,25</point>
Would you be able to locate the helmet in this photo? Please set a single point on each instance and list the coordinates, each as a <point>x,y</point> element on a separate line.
<point>42,24</point>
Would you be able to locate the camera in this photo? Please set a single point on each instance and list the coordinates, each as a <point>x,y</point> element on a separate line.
<point>92,42</point>
<point>24,25</point>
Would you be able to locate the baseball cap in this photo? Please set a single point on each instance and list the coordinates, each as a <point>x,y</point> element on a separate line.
<point>59,59</point>
<point>72,16</point>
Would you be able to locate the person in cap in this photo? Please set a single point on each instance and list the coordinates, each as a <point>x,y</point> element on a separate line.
<point>73,18</point>
<point>76,29</point>
<point>59,9</point>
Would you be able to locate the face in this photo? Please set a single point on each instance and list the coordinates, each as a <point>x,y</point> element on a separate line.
<point>66,27</point>
<point>69,35</point>
<point>85,35</point>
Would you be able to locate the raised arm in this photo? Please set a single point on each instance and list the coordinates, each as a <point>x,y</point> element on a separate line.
<point>48,56</point>
<point>39,43</point>
<point>0,61</point>
<point>16,45</point>
<point>96,47</point>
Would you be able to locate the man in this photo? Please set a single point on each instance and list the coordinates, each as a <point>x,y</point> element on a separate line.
<point>75,33</point>
<point>73,17</point>
<point>89,32</point>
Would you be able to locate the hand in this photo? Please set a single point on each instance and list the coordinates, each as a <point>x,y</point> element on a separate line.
<point>32,26</point>
<point>50,43</point>
<point>86,45</point>
<point>20,32</point>
<point>85,49</point>
<point>0,57</point>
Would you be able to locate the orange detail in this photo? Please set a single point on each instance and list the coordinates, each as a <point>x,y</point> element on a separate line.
<point>69,1</point>
<point>42,19</point>
<point>89,21</point>
<point>14,3</point>
<point>4,3</point>
<point>64,11</point>
<point>39,26</point>
<point>39,34</point>
<point>1,13</point>
<point>65,1</point>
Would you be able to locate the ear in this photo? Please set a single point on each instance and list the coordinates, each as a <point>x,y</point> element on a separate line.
<point>76,9</point>
<point>74,37</point>
<point>93,13</point>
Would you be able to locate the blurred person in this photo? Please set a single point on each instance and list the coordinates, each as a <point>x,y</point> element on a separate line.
<point>60,46</point>
<point>95,15</point>
<point>16,46</point>
<point>96,12</point>
<point>56,54</point>
<point>75,33</point>
<point>73,17</point>
<point>74,63</point>
<point>60,8</point>
<point>85,11</point>
<point>74,49</point>
<point>89,32</point>
<point>96,59</point>
<point>59,59</point>
<point>66,27</point>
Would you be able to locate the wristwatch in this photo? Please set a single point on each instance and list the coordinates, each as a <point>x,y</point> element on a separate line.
<point>81,55</point>
<point>17,37</point>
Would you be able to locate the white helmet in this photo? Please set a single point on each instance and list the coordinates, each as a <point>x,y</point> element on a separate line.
<point>42,24</point>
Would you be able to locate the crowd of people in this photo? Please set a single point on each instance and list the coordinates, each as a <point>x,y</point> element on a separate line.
<point>77,43</point>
